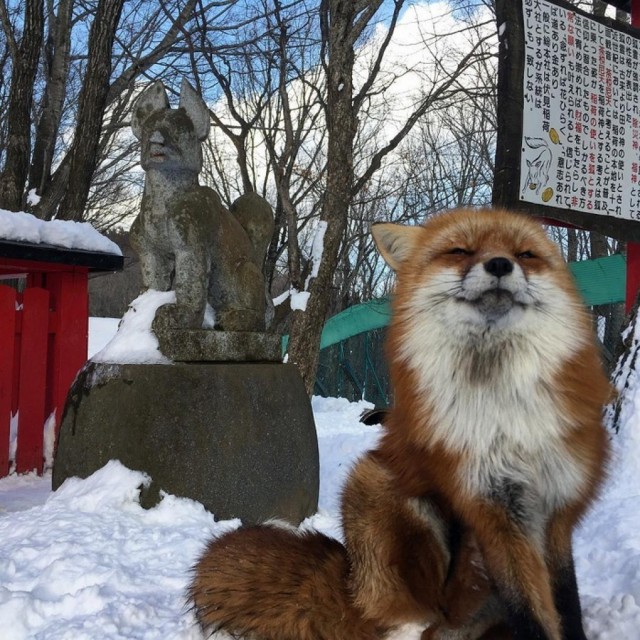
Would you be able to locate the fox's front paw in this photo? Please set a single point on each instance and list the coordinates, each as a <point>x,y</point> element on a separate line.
<point>174,316</point>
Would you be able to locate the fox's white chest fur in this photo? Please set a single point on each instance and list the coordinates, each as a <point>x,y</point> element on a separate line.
<point>491,396</point>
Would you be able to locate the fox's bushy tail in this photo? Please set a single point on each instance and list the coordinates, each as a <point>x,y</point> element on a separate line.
<point>272,583</point>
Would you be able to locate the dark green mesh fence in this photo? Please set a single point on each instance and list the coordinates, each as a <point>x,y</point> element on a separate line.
<point>355,369</point>
<point>352,362</point>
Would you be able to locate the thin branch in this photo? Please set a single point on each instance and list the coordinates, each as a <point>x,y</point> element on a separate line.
<point>359,98</point>
<point>437,94</point>
<point>8,31</point>
<point>363,11</point>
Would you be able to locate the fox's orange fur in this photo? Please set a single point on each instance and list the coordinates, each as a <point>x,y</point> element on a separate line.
<point>461,519</point>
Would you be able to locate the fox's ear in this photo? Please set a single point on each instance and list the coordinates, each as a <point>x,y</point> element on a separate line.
<point>196,109</point>
<point>395,242</point>
<point>153,98</point>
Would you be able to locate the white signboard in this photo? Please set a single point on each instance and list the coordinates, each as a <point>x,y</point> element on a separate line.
<point>581,119</point>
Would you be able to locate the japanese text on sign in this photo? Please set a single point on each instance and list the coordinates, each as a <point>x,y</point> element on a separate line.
<point>581,121</point>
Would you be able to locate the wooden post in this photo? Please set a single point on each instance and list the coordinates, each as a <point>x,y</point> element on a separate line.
<point>633,274</point>
<point>7,346</point>
<point>32,380</point>
<point>69,291</point>
<point>633,248</point>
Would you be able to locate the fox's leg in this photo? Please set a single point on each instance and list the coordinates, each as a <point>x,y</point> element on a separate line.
<point>480,631</point>
<point>468,598</point>
<point>516,565</point>
<point>192,273</point>
<point>473,610</point>
<point>244,306</point>
<point>156,269</point>
<point>192,266</point>
<point>397,548</point>
<point>155,265</point>
<point>565,591</point>
<point>563,575</point>
<point>156,273</point>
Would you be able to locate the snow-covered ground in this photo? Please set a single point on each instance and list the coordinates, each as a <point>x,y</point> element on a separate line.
<point>88,563</point>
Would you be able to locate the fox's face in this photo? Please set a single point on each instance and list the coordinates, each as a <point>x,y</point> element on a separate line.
<point>476,270</point>
<point>485,314</point>
<point>170,139</point>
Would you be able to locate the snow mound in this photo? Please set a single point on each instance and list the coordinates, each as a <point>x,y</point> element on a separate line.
<point>91,563</point>
<point>135,342</point>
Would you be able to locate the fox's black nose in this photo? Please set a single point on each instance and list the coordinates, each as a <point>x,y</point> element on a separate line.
<point>498,267</point>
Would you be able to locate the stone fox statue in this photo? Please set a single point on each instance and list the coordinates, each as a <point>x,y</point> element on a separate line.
<point>186,239</point>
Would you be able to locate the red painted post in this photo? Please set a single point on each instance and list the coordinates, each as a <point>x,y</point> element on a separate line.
<point>633,274</point>
<point>16,352</point>
<point>32,380</point>
<point>633,248</point>
<point>7,346</point>
<point>70,298</point>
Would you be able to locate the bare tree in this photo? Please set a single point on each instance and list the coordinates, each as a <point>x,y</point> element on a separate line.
<point>446,161</point>
<point>271,111</point>
<point>5,64</point>
<point>92,102</point>
<point>25,52</point>
<point>56,70</point>
<point>342,25</point>
<point>286,129</point>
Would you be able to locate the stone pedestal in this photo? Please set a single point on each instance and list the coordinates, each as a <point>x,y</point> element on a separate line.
<point>237,437</point>
<point>204,345</point>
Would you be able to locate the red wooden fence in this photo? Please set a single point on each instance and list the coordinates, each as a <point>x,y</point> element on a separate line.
<point>43,344</point>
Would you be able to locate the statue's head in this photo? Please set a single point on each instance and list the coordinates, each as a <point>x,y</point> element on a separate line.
<point>170,138</point>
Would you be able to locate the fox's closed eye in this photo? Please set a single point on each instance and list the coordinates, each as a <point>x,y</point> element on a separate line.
<point>459,251</point>
<point>526,255</point>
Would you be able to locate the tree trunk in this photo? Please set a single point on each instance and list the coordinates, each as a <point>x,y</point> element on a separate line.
<point>572,245</point>
<point>25,66</point>
<point>92,103</point>
<point>626,366</point>
<point>599,245</point>
<point>338,18</point>
<point>58,48</point>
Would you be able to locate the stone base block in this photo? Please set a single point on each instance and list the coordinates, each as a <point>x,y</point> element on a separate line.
<point>239,438</point>
<point>206,345</point>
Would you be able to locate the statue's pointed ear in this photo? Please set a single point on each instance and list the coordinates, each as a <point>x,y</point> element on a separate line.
<point>153,98</point>
<point>196,109</point>
<point>395,242</point>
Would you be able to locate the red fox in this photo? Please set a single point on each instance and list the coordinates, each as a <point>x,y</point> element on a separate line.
<point>460,520</point>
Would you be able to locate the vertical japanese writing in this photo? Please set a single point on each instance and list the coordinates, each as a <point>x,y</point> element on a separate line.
<point>581,126</point>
